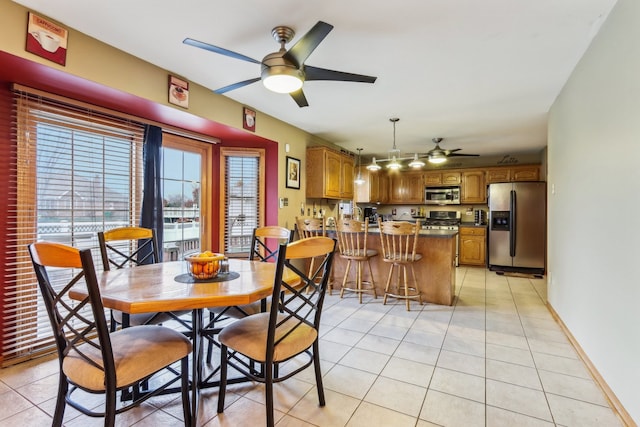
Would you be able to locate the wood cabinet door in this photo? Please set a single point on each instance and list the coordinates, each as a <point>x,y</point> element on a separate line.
<point>347,177</point>
<point>498,175</point>
<point>415,187</point>
<point>432,178</point>
<point>525,173</point>
<point>473,245</point>
<point>383,189</point>
<point>332,174</point>
<point>450,178</point>
<point>473,187</point>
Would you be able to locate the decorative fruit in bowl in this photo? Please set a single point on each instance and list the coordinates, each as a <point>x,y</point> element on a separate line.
<point>204,265</point>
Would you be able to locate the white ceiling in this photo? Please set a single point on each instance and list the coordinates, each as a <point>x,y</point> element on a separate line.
<point>480,74</point>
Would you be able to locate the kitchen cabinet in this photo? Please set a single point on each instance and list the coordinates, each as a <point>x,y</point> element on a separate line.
<point>406,188</point>
<point>329,174</point>
<point>369,191</point>
<point>513,174</point>
<point>474,188</point>
<point>442,178</point>
<point>473,245</point>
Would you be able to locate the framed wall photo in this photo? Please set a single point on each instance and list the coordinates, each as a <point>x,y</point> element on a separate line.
<point>178,92</point>
<point>248,119</point>
<point>46,39</point>
<point>293,173</point>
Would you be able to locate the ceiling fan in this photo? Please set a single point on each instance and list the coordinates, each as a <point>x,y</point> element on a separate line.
<point>438,155</point>
<point>284,71</point>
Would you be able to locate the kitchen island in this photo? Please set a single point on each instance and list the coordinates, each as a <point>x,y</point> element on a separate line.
<point>435,272</point>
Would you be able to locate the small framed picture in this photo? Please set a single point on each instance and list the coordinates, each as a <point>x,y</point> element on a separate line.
<point>293,173</point>
<point>178,92</point>
<point>248,119</point>
<point>46,39</point>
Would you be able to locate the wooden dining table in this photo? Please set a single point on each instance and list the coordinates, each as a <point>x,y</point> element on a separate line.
<point>166,287</point>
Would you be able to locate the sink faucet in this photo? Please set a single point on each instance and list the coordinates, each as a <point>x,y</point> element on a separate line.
<point>358,213</point>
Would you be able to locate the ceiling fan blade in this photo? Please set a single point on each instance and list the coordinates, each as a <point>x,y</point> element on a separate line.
<point>300,51</point>
<point>299,97</point>
<point>216,49</point>
<point>453,151</point>
<point>315,73</point>
<point>462,155</point>
<point>236,85</point>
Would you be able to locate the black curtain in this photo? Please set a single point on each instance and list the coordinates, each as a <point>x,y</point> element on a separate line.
<point>151,215</point>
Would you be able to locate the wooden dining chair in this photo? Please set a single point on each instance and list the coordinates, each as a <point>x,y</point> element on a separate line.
<point>312,227</point>
<point>289,329</point>
<point>399,240</point>
<point>130,247</point>
<point>90,357</point>
<point>352,246</point>
<point>265,243</point>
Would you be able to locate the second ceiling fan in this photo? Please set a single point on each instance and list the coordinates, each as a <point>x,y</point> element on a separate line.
<point>284,71</point>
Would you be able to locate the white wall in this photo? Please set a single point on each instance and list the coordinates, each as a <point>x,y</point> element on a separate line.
<point>594,235</point>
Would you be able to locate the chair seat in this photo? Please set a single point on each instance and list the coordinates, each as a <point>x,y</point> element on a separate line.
<point>359,254</point>
<point>249,337</point>
<point>402,259</point>
<point>137,351</point>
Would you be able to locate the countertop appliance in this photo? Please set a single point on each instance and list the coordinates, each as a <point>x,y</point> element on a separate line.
<point>444,220</point>
<point>371,215</point>
<point>442,195</point>
<point>517,227</point>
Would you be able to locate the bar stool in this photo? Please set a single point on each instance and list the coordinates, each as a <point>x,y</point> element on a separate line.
<point>312,227</point>
<point>352,244</point>
<point>399,240</point>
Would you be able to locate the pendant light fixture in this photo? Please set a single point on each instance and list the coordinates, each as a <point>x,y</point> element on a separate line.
<point>416,163</point>
<point>359,180</point>
<point>374,166</point>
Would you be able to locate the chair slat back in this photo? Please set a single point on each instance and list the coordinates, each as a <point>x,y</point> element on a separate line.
<point>352,237</point>
<point>399,240</point>
<point>262,242</point>
<point>299,303</point>
<point>75,323</point>
<point>310,227</point>
<point>128,246</point>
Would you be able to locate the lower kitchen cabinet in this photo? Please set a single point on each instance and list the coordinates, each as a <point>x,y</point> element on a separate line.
<point>473,245</point>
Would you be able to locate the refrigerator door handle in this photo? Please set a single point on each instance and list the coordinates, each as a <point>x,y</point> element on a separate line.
<point>512,223</point>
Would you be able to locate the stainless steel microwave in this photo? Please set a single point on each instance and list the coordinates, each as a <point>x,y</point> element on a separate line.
<point>442,195</point>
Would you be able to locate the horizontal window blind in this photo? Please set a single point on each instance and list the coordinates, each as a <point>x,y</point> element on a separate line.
<point>77,172</point>
<point>243,196</point>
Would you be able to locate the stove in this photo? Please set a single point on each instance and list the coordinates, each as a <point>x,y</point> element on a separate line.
<point>442,220</point>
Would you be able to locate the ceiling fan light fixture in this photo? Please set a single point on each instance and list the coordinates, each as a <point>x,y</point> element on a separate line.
<point>416,163</point>
<point>437,158</point>
<point>374,166</point>
<point>282,79</point>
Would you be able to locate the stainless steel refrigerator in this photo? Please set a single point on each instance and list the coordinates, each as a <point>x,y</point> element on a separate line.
<point>517,227</point>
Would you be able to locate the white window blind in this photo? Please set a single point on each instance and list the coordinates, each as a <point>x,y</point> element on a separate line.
<point>243,197</point>
<point>78,171</point>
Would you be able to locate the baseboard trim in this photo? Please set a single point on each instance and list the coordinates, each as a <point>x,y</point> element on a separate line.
<point>619,410</point>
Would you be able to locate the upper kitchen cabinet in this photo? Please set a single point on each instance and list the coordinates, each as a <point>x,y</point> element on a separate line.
<point>442,178</point>
<point>329,174</point>
<point>406,188</point>
<point>473,187</point>
<point>513,174</point>
<point>375,188</point>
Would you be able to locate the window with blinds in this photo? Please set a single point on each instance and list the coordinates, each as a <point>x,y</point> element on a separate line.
<point>242,198</point>
<point>78,171</point>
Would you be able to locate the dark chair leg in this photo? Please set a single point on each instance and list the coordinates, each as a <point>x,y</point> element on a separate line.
<point>268,389</point>
<point>223,378</point>
<point>186,407</point>
<point>210,342</point>
<point>316,367</point>
<point>63,387</point>
<point>110,407</point>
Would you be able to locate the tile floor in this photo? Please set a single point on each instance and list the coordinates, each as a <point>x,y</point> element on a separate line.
<point>495,358</point>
